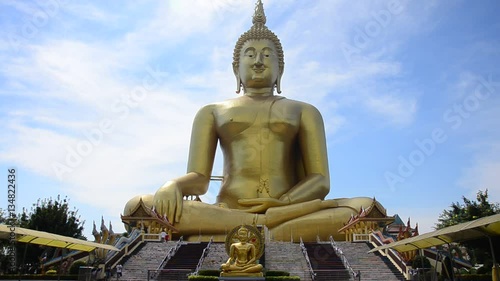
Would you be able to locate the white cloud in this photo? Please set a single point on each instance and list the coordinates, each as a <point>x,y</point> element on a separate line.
<point>397,110</point>
<point>484,172</point>
<point>91,12</point>
<point>484,176</point>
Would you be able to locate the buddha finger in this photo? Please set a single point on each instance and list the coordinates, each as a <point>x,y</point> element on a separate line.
<point>168,212</point>
<point>249,202</point>
<point>178,209</point>
<point>256,209</point>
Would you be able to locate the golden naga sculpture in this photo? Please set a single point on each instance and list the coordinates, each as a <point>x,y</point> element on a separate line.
<point>243,253</point>
<point>275,157</point>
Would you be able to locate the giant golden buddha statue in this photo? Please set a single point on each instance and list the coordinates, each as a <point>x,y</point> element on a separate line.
<point>275,157</point>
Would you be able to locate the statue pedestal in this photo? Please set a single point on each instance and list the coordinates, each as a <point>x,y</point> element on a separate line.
<point>241,278</point>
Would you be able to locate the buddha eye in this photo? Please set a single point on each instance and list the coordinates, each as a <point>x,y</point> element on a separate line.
<point>250,53</point>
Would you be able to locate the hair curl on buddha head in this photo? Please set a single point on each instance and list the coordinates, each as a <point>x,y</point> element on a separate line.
<point>259,31</point>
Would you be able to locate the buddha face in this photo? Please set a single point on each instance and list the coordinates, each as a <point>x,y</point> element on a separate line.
<point>243,234</point>
<point>258,65</point>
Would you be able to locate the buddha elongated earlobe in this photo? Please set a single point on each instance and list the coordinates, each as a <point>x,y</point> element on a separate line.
<point>278,84</point>
<point>238,84</point>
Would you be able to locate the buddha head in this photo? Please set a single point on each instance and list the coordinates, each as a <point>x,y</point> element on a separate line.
<point>258,59</point>
<point>243,234</point>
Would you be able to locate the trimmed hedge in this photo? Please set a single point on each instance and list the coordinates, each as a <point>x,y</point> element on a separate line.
<point>277,273</point>
<point>202,278</point>
<point>39,277</point>
<point>209,272</point>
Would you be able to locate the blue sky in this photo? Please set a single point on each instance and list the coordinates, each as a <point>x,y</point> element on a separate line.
<point>97,99</point>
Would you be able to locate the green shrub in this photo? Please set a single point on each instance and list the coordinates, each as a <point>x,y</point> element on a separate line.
<point>277,273</point>
<point>39,277</point>
<point>202,278</point>
<point>209,272</point>
<point>421,262</point>
<point>51,272</point>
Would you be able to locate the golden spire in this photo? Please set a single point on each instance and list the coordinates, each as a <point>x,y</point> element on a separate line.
<point>259,17</point>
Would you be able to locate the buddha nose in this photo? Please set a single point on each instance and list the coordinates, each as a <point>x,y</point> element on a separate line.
<point>258,59</point>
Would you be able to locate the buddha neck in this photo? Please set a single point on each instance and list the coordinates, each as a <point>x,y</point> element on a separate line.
<point>259,92</point>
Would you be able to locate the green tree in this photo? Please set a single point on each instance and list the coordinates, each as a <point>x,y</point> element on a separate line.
<point>53,216</point>
<point>468,211</point>
<point>479,250</point>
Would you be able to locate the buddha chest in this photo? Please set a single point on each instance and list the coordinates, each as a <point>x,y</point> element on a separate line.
<point>246,119</point>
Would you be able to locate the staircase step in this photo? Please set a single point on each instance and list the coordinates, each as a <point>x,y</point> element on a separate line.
<point>279,256</point>
<point>148,257</point>
<point>372,266</point>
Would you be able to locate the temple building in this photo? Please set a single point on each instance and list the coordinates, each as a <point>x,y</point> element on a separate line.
<point>144,218</point>
<point>367,220</point>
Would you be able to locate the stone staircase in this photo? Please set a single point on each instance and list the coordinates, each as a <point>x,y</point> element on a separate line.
<point>372,266</point>
<point>216,256</point>
<point>287,256</point>
<point>280,256</point>
<point>183,262</point>
<point>148,257</point>
<point>326,264</point>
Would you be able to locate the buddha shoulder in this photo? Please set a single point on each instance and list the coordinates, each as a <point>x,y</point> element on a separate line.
<point>299,108</point>
<point>241,108</point>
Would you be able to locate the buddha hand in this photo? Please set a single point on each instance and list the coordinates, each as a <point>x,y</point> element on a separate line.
<point>168,201</point>
<point>260,205</point>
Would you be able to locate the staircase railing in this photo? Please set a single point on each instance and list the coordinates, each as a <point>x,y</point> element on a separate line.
<point>393,256</point>
<point>170,254</point>
<point>126,246</point>
<point>304,251</point>
<point>203,256</point>
<point>355,275</point>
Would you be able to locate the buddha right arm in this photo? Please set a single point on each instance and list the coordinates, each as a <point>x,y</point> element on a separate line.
<point>168,199</point>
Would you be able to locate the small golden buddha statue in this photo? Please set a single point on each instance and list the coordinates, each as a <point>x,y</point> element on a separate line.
<point>275,157</point>
<point>242,257</point>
